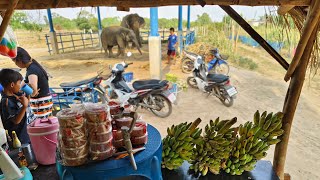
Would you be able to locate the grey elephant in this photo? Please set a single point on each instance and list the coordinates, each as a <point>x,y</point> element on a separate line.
<point>134,22</point>
<point>117,36</point>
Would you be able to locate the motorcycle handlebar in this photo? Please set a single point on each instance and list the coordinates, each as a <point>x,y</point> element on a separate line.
<point>127,65</point>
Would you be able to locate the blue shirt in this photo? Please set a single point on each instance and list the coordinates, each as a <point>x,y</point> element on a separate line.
<point>172,40</point>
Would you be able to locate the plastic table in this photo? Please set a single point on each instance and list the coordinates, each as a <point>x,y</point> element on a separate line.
<point>148,163</point>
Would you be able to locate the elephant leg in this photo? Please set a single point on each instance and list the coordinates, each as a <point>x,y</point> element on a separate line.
<point>105,51</point>
<point>121,51</point>
<point>110,51</point>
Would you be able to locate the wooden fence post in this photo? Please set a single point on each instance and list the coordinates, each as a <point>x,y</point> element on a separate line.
<point>74,48</point>
<point>84,46</point>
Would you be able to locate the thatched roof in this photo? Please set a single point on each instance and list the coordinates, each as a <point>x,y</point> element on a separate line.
<point>44,4</point>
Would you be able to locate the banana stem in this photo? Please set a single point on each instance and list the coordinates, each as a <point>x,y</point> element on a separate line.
<point>194,125</point>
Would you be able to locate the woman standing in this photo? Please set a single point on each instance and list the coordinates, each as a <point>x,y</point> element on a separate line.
<point>37,78</point>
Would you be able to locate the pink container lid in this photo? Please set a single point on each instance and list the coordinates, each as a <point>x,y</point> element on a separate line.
<point>42,126</point>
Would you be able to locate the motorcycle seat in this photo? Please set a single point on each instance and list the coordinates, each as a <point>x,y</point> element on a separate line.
<point>191,53</point>
<point>217,78</point>
<point>78,83</point>
<point>149,84</point>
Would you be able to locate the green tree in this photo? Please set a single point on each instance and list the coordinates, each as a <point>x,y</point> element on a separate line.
<point>83,20</point>
<point>112,21</point>
<point>203,19</point>
<point>63,22</point>
<point>18,20</point>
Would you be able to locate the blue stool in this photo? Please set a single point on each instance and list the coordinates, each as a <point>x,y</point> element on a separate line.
<point>148,163</point>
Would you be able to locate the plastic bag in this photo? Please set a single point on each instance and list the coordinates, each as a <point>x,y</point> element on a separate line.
<point>8,44</point>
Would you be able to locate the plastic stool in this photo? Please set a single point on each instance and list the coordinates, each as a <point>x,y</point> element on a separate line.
<point>148,163</point>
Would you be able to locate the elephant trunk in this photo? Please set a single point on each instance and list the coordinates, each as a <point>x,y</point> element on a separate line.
<point>138,46</point>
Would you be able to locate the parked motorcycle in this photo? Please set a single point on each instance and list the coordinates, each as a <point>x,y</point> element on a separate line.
<point>150,94</point>
<point>215,66</point>
<point>214,84</point>
<point>88,90</point>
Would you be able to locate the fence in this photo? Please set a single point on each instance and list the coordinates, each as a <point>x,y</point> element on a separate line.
<point>251,42</point>
<point>72,41</point>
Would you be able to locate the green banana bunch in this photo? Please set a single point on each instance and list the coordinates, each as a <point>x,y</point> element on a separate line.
<point>179,143</point>
<point>217,143</point>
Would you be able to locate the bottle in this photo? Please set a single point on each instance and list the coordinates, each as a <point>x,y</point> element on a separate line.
<point>9,140</point>
<point>16,141</point>
<point>22,159</point>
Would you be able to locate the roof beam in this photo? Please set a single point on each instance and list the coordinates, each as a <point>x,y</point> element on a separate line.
<point>282,10</point>
<point>234,15</point>
<point>7,16</point>
<point>44,4</point>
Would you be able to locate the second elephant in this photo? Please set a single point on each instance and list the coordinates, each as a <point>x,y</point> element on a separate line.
<point>117,36</point>
<point>134,22</point>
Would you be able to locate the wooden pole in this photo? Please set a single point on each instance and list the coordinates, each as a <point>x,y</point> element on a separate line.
<point>7,16</point>
<point>311,21</point>
<point>290,106</point>
<point>282,10</point>
<point>232,13</point>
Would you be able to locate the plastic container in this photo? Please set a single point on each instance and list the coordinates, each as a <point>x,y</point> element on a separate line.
<point>75,152</point>
<point>124,121</point>
<point>95,113</point>
<point>43,136</point>
<point>101,136</point>
<point>114,108</point>
<point>73,142</point>
<point>139,129</point>
<point>74,132</point>
<point>140,140</point>
<point>67,161</point>
<point>100,146</point>
<point>102,155</point>
<point>70,118</point>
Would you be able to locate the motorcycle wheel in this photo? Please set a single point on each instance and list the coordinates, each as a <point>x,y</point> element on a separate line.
<point>187,65</point>
<point>192,82</point>
<point>98,97</point>
<point>225,98</point>
<point>221,69</point>
<point>161,102</point>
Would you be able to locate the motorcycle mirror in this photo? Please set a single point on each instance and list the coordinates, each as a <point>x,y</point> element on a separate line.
<point>129,54</point>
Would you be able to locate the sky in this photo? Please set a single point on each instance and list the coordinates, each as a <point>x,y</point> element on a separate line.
<point>215,12</point>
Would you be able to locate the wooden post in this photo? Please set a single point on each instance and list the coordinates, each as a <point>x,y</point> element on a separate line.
<point>237,38</point>
<point>232,13</point>
<point>310,24</point>
<point>7,16</point>
<point>290,106</point>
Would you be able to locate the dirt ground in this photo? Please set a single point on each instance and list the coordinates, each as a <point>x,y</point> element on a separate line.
<point>261,90</point>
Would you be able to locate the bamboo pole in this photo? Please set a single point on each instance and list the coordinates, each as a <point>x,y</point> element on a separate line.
<point>282,10</point>
<point>7,16</point>
<point>311,21</point>
<point>290,106</point>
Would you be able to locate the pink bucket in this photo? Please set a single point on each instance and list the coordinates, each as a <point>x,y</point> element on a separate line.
<point>43,135</point>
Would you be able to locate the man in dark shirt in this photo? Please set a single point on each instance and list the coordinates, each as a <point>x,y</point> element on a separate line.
<point>14,106</point>
<point>43,84</point>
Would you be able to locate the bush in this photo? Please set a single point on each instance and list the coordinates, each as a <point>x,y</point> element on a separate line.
<point>247,63</point>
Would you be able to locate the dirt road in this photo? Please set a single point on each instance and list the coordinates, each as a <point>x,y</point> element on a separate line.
<point>256,92</point>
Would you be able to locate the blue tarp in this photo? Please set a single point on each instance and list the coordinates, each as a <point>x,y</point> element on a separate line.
<point>251,42</point>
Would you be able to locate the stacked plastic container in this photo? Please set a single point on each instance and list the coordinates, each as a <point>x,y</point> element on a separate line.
<point>99,131</point>
<point>72,137</point>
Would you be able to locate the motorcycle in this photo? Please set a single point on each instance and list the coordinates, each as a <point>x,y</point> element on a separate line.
<point>88,90</point>
<point>152,94</point>
<point>217,66</point>
<point>214,84</point>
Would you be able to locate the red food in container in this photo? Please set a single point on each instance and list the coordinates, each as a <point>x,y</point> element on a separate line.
<point>67,161</point>
<point>139,140</point>
<point>102,155</point>
<point>117,134</point>
<point>118,143</point>
<point>100,146</point>
<point>70,118</point>
<point>139,129</point>
<point>74,132</point>
<point>124,121</point>
<point>101,136</point>
<point>114,108</point>
<point>75,152</point>
<point>73,142</point>
<point>95,113</point>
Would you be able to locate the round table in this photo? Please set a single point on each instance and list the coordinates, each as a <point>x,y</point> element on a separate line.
<point>148,162</point>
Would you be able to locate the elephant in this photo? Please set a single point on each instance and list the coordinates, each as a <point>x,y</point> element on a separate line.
<point>117,36</point>
<point>134,22</point>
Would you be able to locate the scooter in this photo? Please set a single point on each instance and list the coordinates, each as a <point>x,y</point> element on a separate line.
<point>152,94</point>
<point>217,65</point>
<point>214,84</point>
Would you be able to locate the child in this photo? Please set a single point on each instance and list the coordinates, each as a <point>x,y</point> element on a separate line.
<point>14,105</point>
<point>172,42</point>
